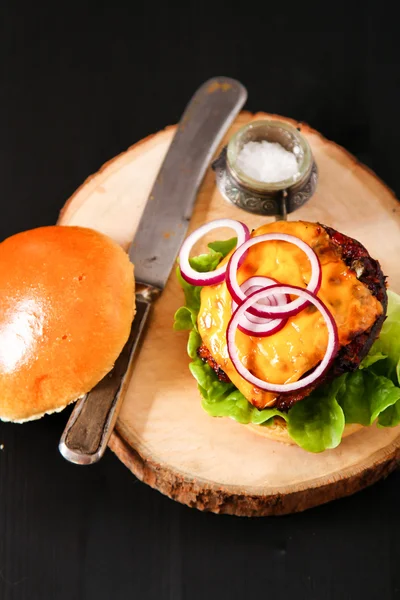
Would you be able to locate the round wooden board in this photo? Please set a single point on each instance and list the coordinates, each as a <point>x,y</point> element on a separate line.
<point>162,434</point>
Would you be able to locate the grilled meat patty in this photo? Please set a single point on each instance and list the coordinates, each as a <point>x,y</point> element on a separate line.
<point>368,272</point>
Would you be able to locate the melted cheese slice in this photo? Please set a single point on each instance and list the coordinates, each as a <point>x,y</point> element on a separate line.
<point>286,355</point>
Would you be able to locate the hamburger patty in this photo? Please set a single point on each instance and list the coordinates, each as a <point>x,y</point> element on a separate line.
<point>368,272</point>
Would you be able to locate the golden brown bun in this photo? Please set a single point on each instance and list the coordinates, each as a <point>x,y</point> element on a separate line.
<point>278,431</point>
<point>67,303</point>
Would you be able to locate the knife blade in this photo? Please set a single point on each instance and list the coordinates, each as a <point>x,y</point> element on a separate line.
<point>161,231</point>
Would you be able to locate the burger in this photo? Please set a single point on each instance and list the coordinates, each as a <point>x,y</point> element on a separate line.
<point>67,303</point>
<point>292,332</point>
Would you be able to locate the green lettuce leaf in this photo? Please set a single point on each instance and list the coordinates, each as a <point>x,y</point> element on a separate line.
<point>366,396</point>
<point>194,342</point>
<point>317,422</point>
<point>224,399</point>
<point>390,417</point>
<point>371,358</point>
<point>371,393</point>
<point>209,262</point>
<point>388,343</point>
<point>184,319</point>
<point>223,247</point>
<point>192,295</point>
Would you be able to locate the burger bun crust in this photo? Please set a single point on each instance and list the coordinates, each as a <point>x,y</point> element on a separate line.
<point>279,433</point>
<point>67,298</point>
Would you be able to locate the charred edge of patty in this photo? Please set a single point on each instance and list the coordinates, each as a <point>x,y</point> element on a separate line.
<point>205,355</point>
<point>367,269</point>
<point>368,272</point>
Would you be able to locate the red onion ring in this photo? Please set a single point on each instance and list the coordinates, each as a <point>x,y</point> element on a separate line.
<point>258,326</point>
<point>213,277</point>
<point>289,309</point>
<point>331,351</point>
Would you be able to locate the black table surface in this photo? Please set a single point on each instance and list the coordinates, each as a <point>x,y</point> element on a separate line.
<point>78,87</point>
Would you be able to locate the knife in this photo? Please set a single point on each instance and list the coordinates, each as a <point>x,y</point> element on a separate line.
<point>169,208</point>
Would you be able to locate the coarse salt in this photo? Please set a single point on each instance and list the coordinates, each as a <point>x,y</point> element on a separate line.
<point>268,162</point>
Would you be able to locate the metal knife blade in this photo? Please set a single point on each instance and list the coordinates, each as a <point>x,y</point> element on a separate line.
<point>160,234</point>
<point>164,222</point>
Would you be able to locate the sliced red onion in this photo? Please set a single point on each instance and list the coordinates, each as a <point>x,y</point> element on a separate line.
<point>259,326</point>
<point>331,351</point>
<point>289,309</point>
<point>213,277</point>
<point>267,302</point>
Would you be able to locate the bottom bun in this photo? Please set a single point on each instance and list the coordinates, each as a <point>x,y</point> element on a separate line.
<point>278,431</point>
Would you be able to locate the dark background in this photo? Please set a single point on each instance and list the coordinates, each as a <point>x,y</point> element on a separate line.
<point>78,87</point>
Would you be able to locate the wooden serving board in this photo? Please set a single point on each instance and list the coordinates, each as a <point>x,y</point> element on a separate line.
<point>162,434</point>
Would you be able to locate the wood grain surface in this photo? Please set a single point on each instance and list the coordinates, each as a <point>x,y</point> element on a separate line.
<point>162,434</point>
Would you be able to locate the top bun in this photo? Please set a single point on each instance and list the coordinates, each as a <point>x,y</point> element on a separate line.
<point>67,302</point>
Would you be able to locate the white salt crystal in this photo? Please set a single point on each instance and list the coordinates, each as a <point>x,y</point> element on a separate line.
<point>267,161</point>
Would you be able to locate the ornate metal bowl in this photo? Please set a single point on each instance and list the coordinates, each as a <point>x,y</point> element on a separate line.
<point>272,199</point>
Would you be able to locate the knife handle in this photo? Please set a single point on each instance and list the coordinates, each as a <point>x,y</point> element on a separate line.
<point>90,425</point>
